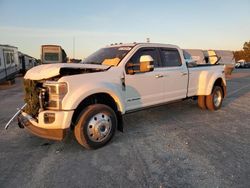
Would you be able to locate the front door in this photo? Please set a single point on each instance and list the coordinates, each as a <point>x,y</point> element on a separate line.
<point>144,89</point>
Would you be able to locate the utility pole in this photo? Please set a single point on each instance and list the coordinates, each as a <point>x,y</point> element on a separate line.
<point>73,47</point>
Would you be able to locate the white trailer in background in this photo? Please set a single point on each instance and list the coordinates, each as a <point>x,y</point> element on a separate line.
<point>9,64</point>
<point>197,56</point>
<point>194,55</point>
<point>225,57</point>
<point>53,54</point>
<point>26,62</point>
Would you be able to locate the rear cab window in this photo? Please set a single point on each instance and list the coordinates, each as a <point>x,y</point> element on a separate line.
<point>170,57</point>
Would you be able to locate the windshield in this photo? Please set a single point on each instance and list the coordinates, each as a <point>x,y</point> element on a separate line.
<point>111,56</point>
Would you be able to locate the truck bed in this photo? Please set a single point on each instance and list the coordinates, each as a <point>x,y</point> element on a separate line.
<point>199,77</point>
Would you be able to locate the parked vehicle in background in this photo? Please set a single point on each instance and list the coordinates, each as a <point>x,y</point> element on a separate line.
<point>91,97</point>
<point>26,62</point>
<point>237,65</point>
<point>9,64</point>
<point>53,54</point>
<point>224,57</point>
<point>242,64</point>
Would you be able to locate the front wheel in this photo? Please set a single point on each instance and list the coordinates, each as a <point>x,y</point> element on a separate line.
<point>214,100</point>
<point>95,126</point>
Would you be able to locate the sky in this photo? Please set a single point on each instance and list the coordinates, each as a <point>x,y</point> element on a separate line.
<point>199,24</point>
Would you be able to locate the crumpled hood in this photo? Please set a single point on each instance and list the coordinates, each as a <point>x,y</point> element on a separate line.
<point>51,70</point>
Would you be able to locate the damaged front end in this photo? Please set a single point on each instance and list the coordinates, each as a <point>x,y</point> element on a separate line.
<point>32,90</point>
<point>46,92</point>
<point>43,95</point>
<point>43,115</point>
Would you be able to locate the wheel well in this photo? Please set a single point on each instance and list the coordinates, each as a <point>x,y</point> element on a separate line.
<point>99,98</point>
<point>219,82</point>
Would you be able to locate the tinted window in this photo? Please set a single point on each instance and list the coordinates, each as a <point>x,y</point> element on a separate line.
<point>51,56</point>
<point>11,57</point>
<point>8,57</point>
<point>170,58</point>
<point>145,51</point>
<point>136,57</point>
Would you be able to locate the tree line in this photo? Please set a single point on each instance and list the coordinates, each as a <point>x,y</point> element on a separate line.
<point>244,53</point>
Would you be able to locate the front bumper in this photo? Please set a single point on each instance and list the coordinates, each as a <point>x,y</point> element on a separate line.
<point>54,131</point>
<point>53,134</point>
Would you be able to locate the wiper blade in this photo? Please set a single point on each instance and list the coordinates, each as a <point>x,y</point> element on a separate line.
<point>91,62</point>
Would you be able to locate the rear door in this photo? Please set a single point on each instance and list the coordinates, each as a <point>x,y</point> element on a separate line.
<point>175,74</point>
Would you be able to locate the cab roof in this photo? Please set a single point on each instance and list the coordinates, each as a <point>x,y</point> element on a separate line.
<point>142,44</point>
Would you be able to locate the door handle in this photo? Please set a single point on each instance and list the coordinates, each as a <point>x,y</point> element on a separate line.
<point>159,76</point>
<point>184,73</point>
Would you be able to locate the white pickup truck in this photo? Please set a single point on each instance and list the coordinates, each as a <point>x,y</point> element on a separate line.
<point>90,98</point>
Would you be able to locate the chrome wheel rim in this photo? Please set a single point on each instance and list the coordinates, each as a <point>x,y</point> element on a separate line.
<point>217,98</point>
<point>99,127</point>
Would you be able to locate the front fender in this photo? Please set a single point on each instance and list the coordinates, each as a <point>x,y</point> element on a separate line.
<point>77,95</point>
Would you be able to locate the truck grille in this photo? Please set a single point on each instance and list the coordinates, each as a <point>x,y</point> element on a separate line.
<point>31,97</point>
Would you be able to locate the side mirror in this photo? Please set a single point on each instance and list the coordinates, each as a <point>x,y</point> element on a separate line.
<point>146,63</point>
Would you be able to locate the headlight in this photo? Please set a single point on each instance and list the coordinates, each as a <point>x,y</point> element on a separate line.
<point>56,92</point>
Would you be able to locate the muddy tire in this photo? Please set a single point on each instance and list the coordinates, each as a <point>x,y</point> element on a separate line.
<point>96,126</point>
<point>202,102</point>
<point>214,100</point>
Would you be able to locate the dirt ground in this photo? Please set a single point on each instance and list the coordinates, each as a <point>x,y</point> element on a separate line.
<point>175,145</point>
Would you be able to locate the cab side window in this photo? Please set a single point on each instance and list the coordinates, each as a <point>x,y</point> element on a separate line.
<point>170,58</point>
<point>135,59</point>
